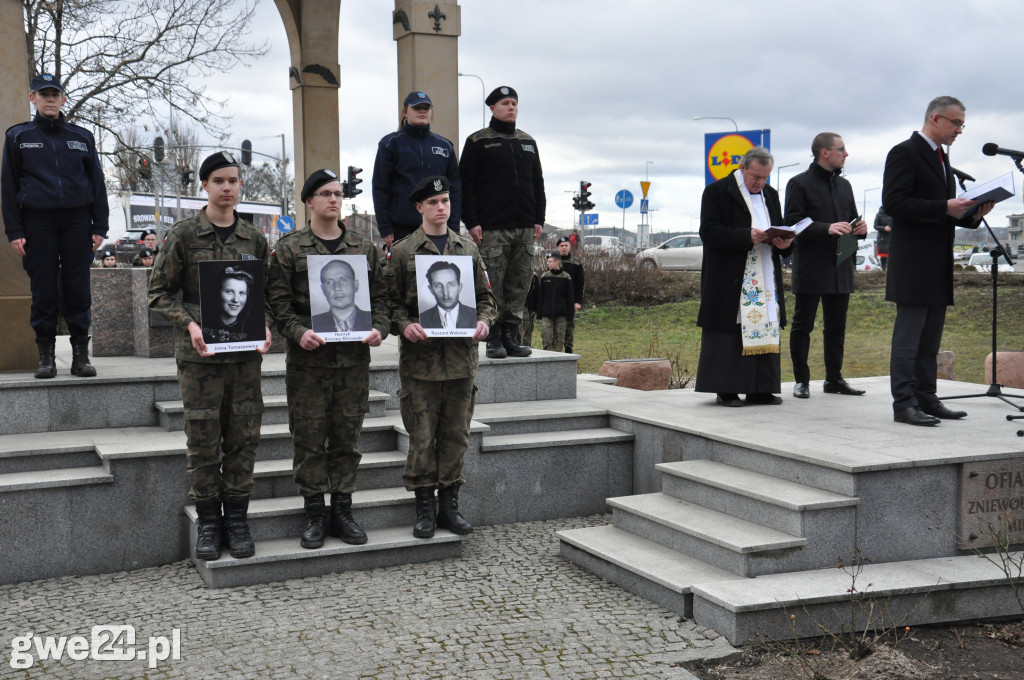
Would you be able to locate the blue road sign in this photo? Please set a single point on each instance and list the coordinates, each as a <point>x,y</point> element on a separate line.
<point>588,220</point>
<point>285,224</point>
<point>624,198</point>
<point>643,205</point>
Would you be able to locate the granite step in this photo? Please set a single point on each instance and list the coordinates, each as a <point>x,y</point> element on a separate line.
<point>283,558</point>
<point>53,479</point>
<point>643,567</point>
<point>777,503</point>
<point>910,593</point>
<point>736,545</point>
<point>377,469</point>
<point>539,416</point>
<point>275,410</point>
<point>554,439</point>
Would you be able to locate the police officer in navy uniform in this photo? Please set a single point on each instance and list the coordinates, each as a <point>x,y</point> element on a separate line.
<point>55,216</point>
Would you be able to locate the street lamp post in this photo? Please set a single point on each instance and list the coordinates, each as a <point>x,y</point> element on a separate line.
<point>778,174</point>
<point>864,209</point>
<point>647,167</point>
<point>483,92</point>
<point>718,118</point>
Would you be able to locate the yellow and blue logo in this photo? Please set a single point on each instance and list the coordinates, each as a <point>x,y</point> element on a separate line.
<point>723,151</point>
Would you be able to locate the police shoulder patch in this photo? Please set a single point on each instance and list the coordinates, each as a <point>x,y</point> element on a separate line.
<point>77,146</point>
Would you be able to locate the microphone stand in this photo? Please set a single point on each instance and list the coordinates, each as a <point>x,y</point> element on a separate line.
<point>994,389</point>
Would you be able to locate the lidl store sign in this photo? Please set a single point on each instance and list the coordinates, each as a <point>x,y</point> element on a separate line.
<point>723,150</point>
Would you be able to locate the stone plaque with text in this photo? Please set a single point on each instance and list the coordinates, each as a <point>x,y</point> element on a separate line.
<point>991,503</point>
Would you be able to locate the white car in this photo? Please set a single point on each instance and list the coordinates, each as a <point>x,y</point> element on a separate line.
<point>681,253</point>
<point>866,261</point>
<point>983,263</point>
<point>603,245</point>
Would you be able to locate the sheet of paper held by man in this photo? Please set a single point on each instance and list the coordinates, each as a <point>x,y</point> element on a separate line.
<point>231,305</point>
<point>446,296</point>
<point>339,297</point>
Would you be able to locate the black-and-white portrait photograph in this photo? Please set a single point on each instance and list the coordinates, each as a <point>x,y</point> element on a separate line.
<point>231,305</point>
<point>339,297</point>
<point>447,298</point>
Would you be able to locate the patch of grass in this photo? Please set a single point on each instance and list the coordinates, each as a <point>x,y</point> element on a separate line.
<point>613,331</point>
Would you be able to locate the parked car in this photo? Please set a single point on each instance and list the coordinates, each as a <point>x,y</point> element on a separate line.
<point>983,263</point>
<point>683,253</point>
<point>866,261</point>
<point>603,245</point>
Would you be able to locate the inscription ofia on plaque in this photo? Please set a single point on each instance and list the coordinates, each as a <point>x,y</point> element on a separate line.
<point>992,503</point>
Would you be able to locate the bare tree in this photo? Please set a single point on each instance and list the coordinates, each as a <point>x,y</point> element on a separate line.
<point>176,173</point>
<point>119,60</point>
<point>262,182</point>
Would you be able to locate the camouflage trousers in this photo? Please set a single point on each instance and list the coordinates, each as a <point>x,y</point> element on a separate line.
<point>552,333</point>
<point>508,254</point>
<point>223,409</point>
<point>325,416</point>
<point>436,414</point>
<point>570,328</point>
<point>526,329</point>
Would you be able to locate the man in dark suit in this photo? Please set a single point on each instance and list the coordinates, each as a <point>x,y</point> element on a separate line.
<point>741,358</point>
<point>918,193</point>
<point>445,280</point>
<point>823,195</point>
<point>339,285</point>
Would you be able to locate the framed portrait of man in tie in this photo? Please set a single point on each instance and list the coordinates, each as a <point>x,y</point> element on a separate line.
<point>339,297</point>
<point>446,296</point>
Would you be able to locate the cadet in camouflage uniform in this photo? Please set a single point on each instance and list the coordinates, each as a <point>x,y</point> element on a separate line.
<point>222,395</point>
<point>503,205</point>
<point>437,374</point>
<point>327,383</point>
<point>574,268</point>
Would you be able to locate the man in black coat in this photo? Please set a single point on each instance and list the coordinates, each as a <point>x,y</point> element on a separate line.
<point>918,192</point>
<point>735,213</point>
<point>823,195</point>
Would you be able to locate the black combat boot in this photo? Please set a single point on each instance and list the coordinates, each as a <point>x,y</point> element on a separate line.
<point>342,524</point>
<point>568,349</point>
<point>495,350</point>
<point>47,359</point>
<point>448,516</point>
<point>239,539</point>
<point>316,522</point>
<point>426,513</point>
<point>508,341</point>
<point>208,530</point>
<point>80,365</point>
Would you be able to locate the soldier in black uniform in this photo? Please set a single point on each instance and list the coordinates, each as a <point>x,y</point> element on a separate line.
<point>55,216</point>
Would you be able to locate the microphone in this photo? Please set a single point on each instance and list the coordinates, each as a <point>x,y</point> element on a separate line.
<point>991,149</point>
<point>962,175</point>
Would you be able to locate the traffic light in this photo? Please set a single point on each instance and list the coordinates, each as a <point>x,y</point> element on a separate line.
<point>145,171</point>
<point>158,149</point>
<point>348,187</point>
<point>246,152</point>
<point>186,178</point>
<point>585,203</point>
<point>575,202</point>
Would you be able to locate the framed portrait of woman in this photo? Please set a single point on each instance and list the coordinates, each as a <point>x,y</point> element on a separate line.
<point>231,305</point>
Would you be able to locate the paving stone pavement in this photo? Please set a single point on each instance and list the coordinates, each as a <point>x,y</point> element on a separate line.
<point>510,608</point>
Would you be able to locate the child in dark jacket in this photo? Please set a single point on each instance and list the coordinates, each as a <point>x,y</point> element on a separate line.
<point>555,297</point>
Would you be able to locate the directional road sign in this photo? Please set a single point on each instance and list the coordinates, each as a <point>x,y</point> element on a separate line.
<point>624,199</point>
<point>588,219</point>
<point>285,224</point>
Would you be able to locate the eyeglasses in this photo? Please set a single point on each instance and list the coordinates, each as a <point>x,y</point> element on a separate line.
<point>329,194</point>
<point>840,149</point>
<point>959,124</point>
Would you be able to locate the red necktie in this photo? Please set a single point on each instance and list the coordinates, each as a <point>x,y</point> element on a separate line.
<point>942,161</point>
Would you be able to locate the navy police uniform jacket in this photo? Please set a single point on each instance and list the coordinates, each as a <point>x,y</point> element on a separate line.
<point>50,164</point>
<point>403,159</point>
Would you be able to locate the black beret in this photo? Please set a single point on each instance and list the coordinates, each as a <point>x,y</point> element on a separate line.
<point>317,180</point>
<point>148,232</point>
<point>500,93</point>
<point>563,239</point>
<point>145,252</point>
<point>429,186</point>
<point>221,159</point>
<point>555,254</point>
<point>44,81</point>
<point>109,252</point>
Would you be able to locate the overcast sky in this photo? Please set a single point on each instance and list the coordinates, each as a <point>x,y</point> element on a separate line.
<point>607,86</point>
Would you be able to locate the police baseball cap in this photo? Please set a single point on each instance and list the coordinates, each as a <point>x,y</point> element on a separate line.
<point>145,252</point>
<point>563,239</point>
<point>317,180</point>
<point>500,93</point>
<point>417,98</point>
<point>429,186</point>
<point>45,81</point>
<point>221,159</point>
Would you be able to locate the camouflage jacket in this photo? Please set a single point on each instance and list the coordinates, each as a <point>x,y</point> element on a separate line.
<point>288,296</point>
<point>434,358</point>
<point>176,268</point>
